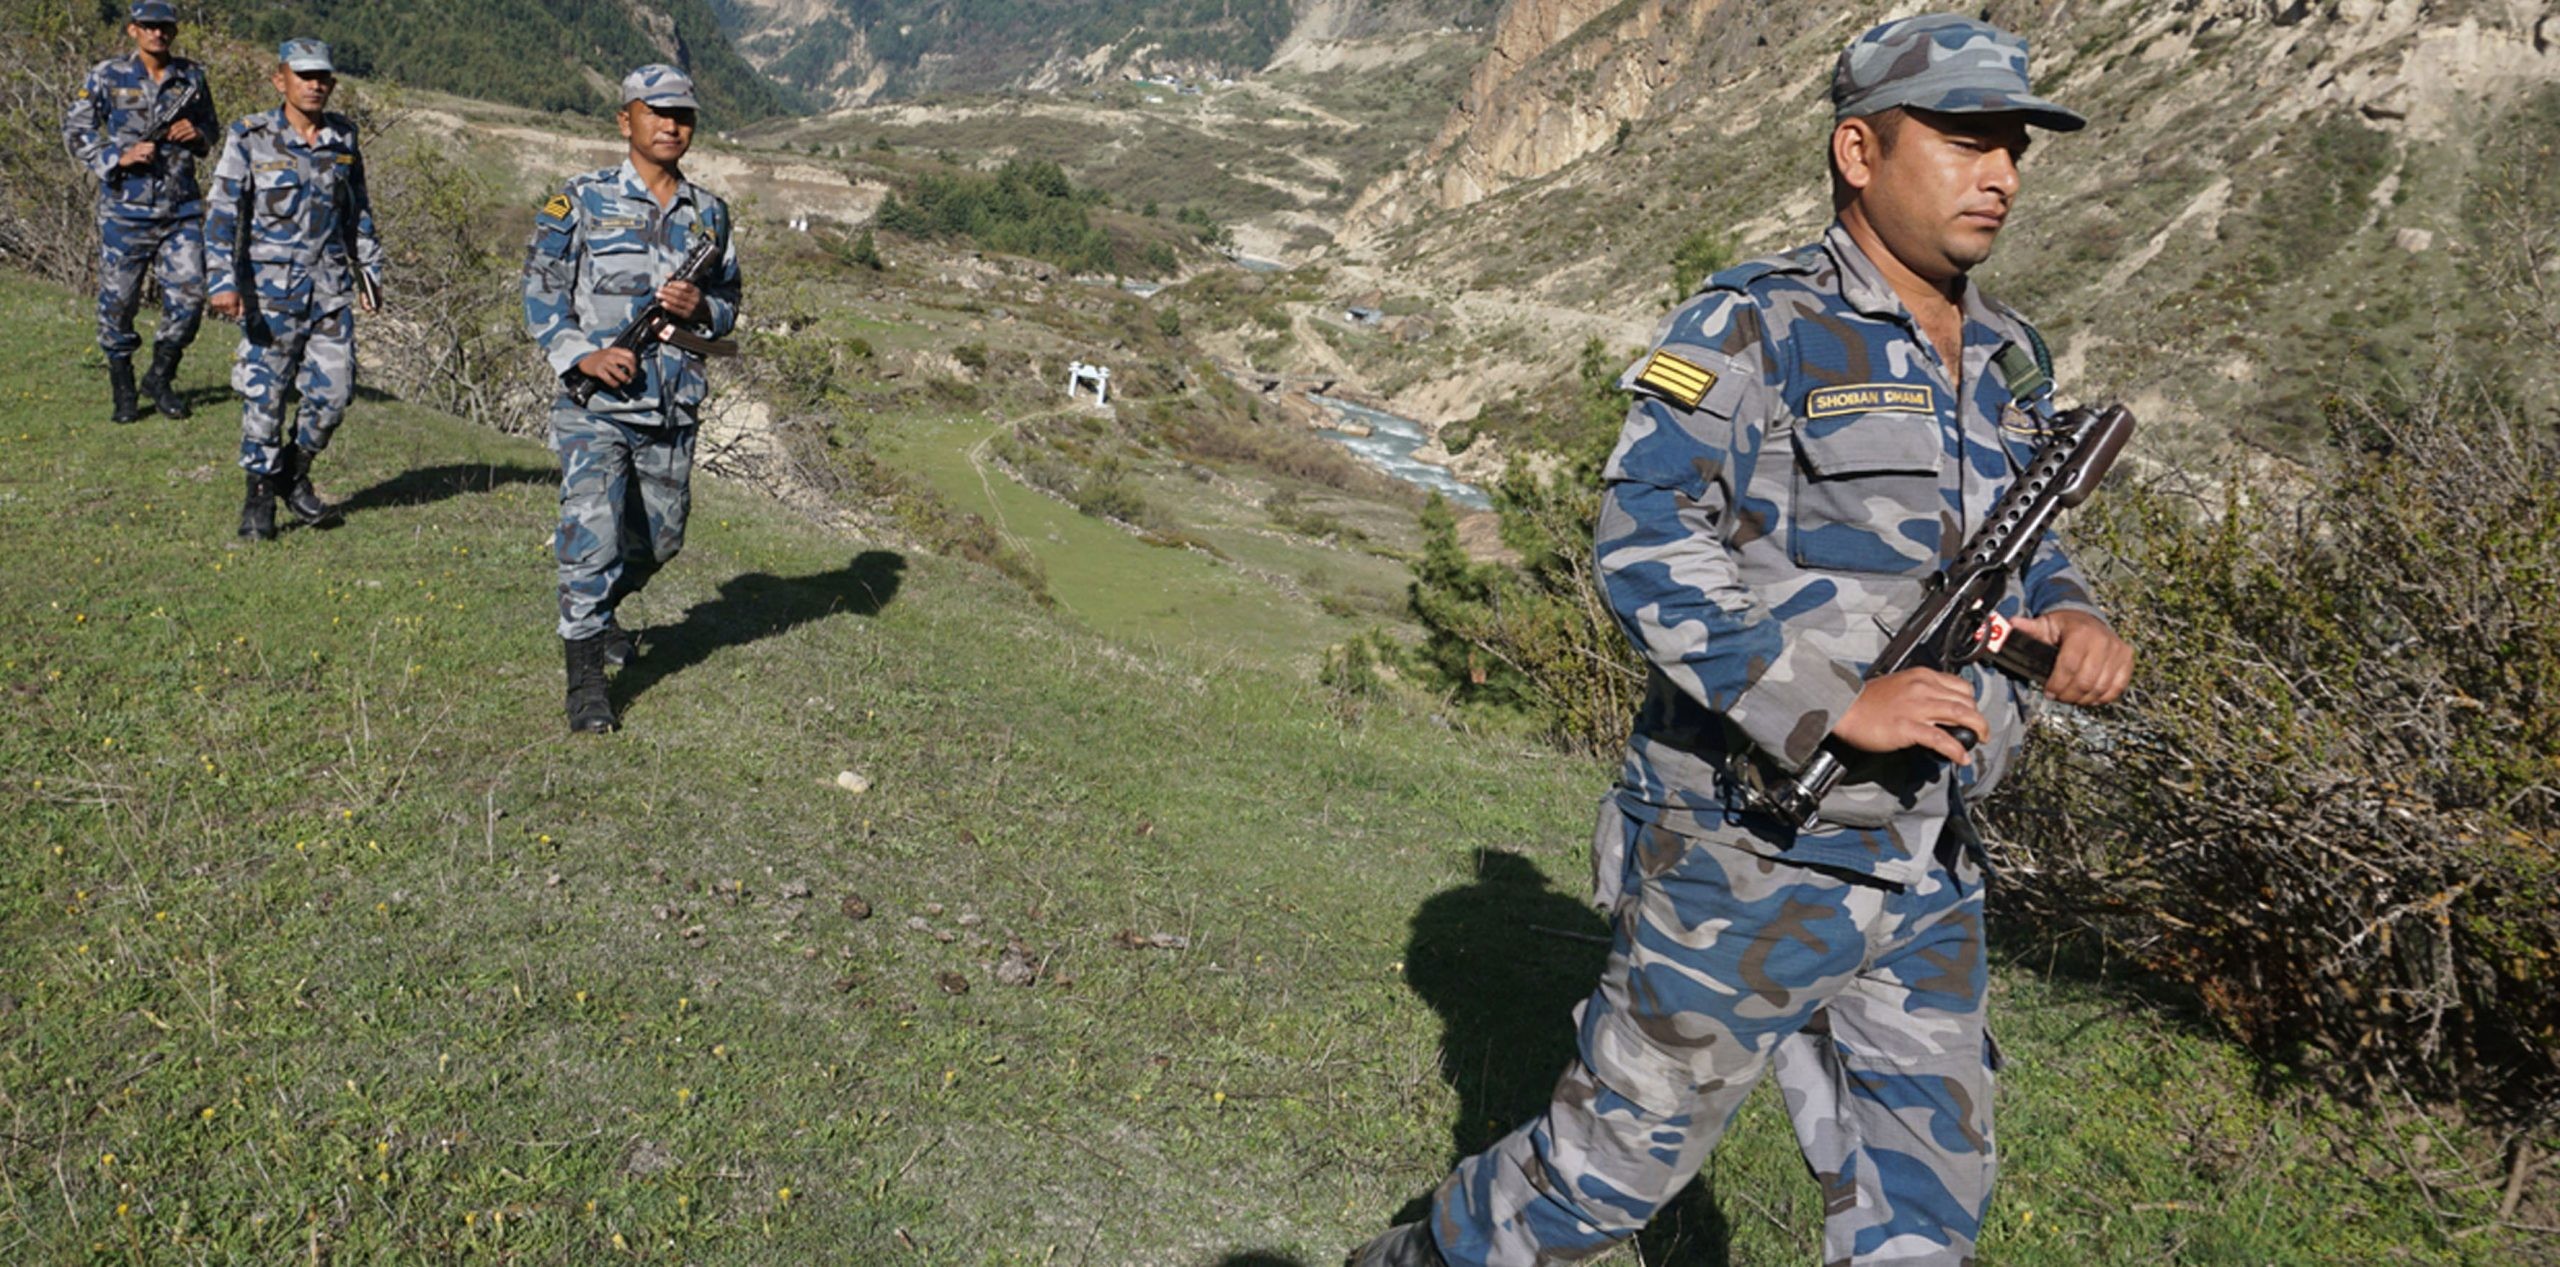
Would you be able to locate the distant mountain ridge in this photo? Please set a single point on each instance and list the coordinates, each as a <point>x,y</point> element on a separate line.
<point>854,52</point>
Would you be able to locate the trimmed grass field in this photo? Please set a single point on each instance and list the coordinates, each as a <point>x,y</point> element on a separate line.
<point>321,942</point>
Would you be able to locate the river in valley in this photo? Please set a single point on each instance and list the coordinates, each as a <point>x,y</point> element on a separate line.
<point>1389,447</point>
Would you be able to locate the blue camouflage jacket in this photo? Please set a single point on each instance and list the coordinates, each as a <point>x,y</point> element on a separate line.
<point>111,111</point>
<point>295,215</point>
<point>601,248</point>
<point>1795,464</point>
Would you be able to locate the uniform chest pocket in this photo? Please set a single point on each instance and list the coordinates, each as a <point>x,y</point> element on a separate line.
<point>1867,497</point>
<point>621,265</point>
<point>281,194</point>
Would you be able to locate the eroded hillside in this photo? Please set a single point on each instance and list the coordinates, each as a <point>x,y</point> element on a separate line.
<point>853,52</point>
<point>2274,198</point>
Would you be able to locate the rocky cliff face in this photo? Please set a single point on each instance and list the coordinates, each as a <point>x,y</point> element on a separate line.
<point>1556,80</point>
<point>1562,75</point>
<point>2271,189</point>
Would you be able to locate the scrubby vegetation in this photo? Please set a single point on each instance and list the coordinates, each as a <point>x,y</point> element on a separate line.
<point>2330,806</point>
<point>1024,208</point>
<point>1535,637</point>
<point>545,54</point>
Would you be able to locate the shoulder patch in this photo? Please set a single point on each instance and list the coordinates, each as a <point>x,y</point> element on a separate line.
<point>1683,382</point>
<point>558,207</point>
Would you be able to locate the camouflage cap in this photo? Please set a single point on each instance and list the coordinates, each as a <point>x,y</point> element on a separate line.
<point>1944,62</point>
<point>153,11</point>
<point>306,54</point>
<point>659,85</point>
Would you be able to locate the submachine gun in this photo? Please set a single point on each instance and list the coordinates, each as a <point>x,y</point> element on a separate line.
<point>653,324</point>
<point>1959,623</point>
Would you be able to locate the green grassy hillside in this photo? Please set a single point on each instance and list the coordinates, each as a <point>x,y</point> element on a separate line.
<point>320,942</point>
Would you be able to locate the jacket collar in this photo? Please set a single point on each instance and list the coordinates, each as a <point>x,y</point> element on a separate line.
<point>328,134</point>
<point>633,188</point>
<point>1863,286</point>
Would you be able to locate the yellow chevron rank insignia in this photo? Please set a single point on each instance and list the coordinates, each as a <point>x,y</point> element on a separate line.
<point>1677,380</point>
<point>557,208</point>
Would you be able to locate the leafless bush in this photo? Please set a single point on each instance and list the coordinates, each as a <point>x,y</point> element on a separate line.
<point>46,223</point>
<point>452,334</point>
<point>2329,806</point>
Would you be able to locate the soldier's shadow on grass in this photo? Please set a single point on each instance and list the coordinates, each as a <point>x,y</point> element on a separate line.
<point>757,605</point>
<point>200,399</point>
<point>1503,959</point>
<point>436,483</point>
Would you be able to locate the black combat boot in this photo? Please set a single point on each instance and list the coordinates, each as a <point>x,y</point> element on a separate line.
<point>590,704</point>
<point>293,484</point>
<point>120,386</point>
<point>160,382</point>
<point>258,509</point>
<point>621,646</point>
<point>1405,1245</point>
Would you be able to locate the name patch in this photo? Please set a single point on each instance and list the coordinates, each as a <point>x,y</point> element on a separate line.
<point>1868,398</point>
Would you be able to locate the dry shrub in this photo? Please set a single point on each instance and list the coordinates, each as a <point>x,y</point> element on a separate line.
<point>451,335</point>
<point>2329,804</point>
<point>47,226</point>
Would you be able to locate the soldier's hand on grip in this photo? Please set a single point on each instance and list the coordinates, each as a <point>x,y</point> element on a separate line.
<point>610,366</point>
<point>227,305</point>
<point>680,299</point>
<point>2091,665</point>
<point>183,131</point>
<point>1913,709</point>
<point>137,154</point>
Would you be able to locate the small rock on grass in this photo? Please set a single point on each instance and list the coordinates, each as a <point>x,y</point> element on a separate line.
<point>952,983</point>
<point>853,782</point>
<point>1018,966</point>
<point>856,906</point>
<point>1131,939</point>
<point>649,1157</point>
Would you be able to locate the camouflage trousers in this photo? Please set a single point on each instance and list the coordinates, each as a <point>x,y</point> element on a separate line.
<point>624,494</point>
<point>1865,1000</point>
<point>171,250</point>
<point>285,349</point>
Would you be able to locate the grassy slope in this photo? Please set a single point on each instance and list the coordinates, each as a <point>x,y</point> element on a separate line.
<point>318,941</point>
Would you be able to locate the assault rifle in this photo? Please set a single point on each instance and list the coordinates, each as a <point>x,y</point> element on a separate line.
<point>167,110</point>
<point>652,324</point>
<point>1959,623</point>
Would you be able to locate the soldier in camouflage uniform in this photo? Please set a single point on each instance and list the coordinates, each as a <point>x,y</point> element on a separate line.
<point>602,248</point>
<point>1811,437</point>
<point>290,231</point>
<point>150,210</point>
